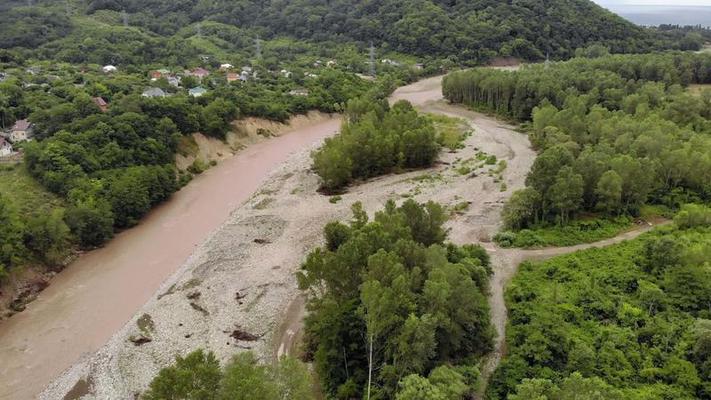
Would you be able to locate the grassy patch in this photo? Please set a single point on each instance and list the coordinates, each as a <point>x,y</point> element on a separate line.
<point>25,193</point>
<point>334,199</point>
<point>577,232</point>
<point>187,146</point>
<point>451,131</point>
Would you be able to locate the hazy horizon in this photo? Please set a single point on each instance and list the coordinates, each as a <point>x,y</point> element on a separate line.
<point>656,12</point>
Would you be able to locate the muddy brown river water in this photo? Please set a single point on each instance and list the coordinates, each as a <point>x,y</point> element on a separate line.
<point>94,296</point>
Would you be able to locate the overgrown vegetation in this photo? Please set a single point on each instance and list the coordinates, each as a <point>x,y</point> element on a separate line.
<point>374,140</point>
<point>198,376</point>
<point>630,321</point>
<point>451,132</point>
<point>613,133</point>
<point>394,311</point>
<point>576,232</point>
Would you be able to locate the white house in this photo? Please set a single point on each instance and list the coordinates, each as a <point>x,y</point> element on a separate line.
<point>226,66</point>
<point>299,92</point>
<point>153,92</point>
<point>5,147</point>
<point>174,81</point>
<point>109,69</point>
<point>21,131</point>
<point>197,91</point>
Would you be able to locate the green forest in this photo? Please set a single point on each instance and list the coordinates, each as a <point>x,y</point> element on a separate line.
<point>630,321</point>
<point>394,310</point>
<point>132,32</point>
<point>613,133</point>
<point>375,140</point>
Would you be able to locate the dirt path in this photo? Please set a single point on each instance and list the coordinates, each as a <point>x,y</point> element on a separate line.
<point>505,263</point>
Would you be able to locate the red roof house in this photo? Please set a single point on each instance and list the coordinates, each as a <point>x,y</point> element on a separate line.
<point>101,103</point>
<point>200,72</point>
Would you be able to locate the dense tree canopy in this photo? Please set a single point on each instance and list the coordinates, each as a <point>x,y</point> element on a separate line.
<point>630,321</point>
<point>464,31</point>
<point>374,140</point>
<point>389,297</point>
<point>198,376</point>
<point>613,133</point>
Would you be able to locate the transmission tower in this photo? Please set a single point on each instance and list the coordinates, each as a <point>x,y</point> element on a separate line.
<point>124,17</point>
<point>198,29</point>
<point>372,59</point>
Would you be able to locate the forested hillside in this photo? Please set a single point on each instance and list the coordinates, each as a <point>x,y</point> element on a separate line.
<point>463,31</point>
<point>613,133</point>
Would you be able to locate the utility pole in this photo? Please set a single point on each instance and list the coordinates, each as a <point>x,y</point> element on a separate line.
<point>372,60</point>
<point>548,60</point>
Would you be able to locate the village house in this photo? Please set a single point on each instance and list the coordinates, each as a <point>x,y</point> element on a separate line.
<point>107,69</point>
<point>299,92</point>
<point>246,69</point>
<point>331,63</point>
<point>153,92</point>
<point>232,76</point>
<point>5,147</point>
<point>197,91</point>
<point>101,103</point>
<point>286,73</point>
<point>155,75</point>
<point>21,131</point>
<point>225,67</point>
<point>244,76</point>
<point>200,73</point>
<point>174,81</point>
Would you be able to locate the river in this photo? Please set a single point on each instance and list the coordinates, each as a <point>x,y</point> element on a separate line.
<point>99,292</point>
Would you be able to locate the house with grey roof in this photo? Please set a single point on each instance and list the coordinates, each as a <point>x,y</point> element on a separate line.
<point>197,91</point>
<point>153,92</point>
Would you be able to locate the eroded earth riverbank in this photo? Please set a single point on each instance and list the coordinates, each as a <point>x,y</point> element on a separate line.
<point>94,297</point>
